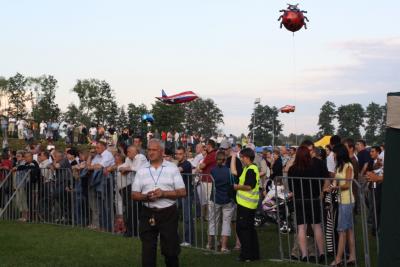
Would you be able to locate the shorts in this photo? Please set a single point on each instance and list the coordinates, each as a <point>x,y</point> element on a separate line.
<point>345,220</point>
<point>220,213</point>
<point>204,191</point>
<point>234,213</point>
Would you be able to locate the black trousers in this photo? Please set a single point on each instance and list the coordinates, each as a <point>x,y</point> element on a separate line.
<point>247,234</point>
<point>131,210</point>
<point>167,227</point>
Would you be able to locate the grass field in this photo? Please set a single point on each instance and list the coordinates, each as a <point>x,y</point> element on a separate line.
<point>49,245</point>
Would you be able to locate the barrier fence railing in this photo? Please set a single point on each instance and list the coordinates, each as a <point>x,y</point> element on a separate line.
<point>101,201</point>
<point>311,214</point>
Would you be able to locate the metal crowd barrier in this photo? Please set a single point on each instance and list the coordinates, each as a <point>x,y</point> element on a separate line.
<point>101,201</point>
<point>295,201</point>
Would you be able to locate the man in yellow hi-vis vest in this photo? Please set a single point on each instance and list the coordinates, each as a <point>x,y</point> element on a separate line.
<point>247,197</point>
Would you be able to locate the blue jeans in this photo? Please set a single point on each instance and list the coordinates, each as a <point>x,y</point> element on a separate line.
<point>187,209</point>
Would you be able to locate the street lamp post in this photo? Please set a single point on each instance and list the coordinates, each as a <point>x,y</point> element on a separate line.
<point>257,101</point>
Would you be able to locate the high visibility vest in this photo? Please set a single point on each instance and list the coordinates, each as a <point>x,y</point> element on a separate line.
<point>249,199</point>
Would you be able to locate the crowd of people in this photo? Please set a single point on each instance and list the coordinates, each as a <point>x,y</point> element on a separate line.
<point>215,180</point>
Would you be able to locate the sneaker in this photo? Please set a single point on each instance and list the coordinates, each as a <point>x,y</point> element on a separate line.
<point>209,247</point>
<point>185,244</point>
<point>243,260</point>
<point>225,250</point>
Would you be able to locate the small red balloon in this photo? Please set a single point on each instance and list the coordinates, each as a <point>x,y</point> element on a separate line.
<point>293,18</point>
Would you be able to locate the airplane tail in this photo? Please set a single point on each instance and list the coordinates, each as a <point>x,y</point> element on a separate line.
<point>163,93</point>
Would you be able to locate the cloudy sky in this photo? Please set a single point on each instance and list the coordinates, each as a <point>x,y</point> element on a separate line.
<point>231,51</point>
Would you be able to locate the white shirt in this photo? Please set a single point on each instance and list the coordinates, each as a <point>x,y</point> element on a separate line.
<point>105,159</point>
<point>21,124</point>
<point>137,163</point>
<point>93,131</point>
<point>42,126</point>
<point>45,171</point>
<point>134,165</point>
<point>382,156</point>
<point>330,163</point>
<point>167,177</point>
<point>197,159</point>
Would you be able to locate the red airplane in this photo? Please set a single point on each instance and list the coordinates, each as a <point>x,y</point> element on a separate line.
<point>287,109</point>
<point>180,98</point>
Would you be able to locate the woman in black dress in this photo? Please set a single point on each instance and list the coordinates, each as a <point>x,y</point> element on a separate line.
<point>306,194</point>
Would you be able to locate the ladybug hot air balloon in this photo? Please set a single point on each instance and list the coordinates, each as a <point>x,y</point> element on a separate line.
<point>293,18</point>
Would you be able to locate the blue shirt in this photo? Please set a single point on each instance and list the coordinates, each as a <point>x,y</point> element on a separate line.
<point>222,176</point>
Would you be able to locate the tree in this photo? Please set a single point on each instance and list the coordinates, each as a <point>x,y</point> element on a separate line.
<point>374,116</point>
<point>17,96</point>
<point>3,83</point>
<point>3,91</point>
<point>350,118</point>
<point>168,117</point>
<point>382,126</point>
<point>46,108</point>
<point>105,106</point>
<point>265,124</point>
<point>326,116</point>
<point>135,114</point>
<point>97,100</point>
<point>203,117</point>
<point>73,113</point>
<point>122,119</point>
<point>292,138</point>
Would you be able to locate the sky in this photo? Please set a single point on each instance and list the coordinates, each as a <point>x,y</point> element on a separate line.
<point>230,51</point>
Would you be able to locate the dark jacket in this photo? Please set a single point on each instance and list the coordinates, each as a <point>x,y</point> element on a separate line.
<point>33,167</point>
<point>277,169</point>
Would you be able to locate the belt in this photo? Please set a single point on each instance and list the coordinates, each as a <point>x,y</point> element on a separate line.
<point>160,209</point>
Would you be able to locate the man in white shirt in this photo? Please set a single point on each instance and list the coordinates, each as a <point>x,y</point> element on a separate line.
<point>199,156</point>
<point>93,133</point>
<point>43,127</point>
<point>176,138</point>
<point>158,184</point>
<point>11,126</point>
<point>133,162</point>
<point>21,127</point>
<point>102,160</point>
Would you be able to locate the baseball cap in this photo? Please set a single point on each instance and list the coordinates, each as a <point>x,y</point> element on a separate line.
<point>251,146</point>
<point>225,144</point>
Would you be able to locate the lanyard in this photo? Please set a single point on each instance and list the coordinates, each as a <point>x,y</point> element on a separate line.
<point>158,178</point>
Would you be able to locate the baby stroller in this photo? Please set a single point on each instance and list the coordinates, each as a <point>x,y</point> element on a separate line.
<point>277,208</point>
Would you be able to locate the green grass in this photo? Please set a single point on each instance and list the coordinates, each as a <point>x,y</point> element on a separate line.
<point>50,245</point>
<point>17,144</point>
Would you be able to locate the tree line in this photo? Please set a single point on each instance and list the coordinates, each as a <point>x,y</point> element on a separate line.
<point>351,119</point>
<point>98,105</point>
<point>345,120</point>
